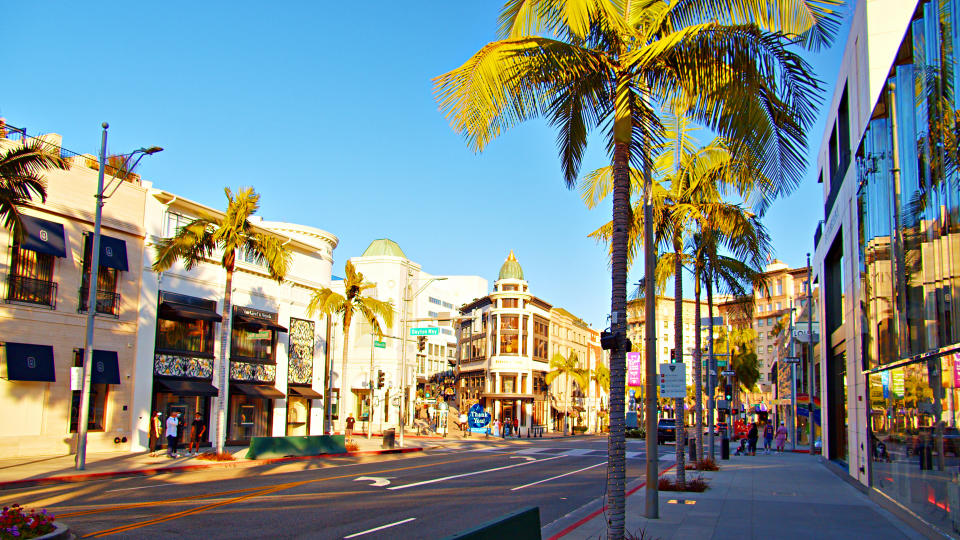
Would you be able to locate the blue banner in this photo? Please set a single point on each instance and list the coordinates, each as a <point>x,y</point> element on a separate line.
<point>477,418</point>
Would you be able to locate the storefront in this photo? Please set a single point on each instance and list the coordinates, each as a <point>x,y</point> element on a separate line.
<point>253,374</point>
<point>300,352</point>
<point>183,359</point>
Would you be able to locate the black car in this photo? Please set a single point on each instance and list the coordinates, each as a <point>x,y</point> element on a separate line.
<point>666,430</point>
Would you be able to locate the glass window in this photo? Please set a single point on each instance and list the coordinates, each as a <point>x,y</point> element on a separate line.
<point>510,302</point>
<point>435,301</point>
<point>107,299</point>
<point>185,336</point>
<point>31,277</point>
<point>256,345</point>
<point>97,410</point>
<point>509,335</point>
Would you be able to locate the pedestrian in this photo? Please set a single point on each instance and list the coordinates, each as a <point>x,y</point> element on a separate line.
<point>350,423</point>
<point>463,424</point>
<point>781,437</point>
<point>516,426</point>
<point>752,438</point>
<point>172,425</point>
<point>156,432</point>
<point>767,437</point>
<point>197,430</point>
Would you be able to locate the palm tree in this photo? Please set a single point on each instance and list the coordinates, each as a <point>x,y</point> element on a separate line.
<point>601,376</point>
<point>352,302</point>
<point>21,178</point>
<point>607,65</point>
<point>198,242</point>
<point>569,368</point>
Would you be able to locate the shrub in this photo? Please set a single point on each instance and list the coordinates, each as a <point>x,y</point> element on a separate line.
<point>351,446</point>
<point>705,464</point>
<point>635,433</point>
<point>15,523</point>
<point>214,456</point>
<point>579,429</point>
<point>640,535</point>
<point>697,485</point>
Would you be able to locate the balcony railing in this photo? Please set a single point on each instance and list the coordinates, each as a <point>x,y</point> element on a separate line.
<point>31,291</point>
<point>108,303</point>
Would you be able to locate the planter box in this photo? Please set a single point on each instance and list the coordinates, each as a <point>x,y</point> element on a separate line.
<point>312,445</point>
<point>60,532</point>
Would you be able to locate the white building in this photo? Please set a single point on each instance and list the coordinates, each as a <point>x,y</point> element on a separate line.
<point>428,296</point>
<point>277,349</point>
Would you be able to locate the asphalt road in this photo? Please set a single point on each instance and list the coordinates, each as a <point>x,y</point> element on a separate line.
<point>450,487</point>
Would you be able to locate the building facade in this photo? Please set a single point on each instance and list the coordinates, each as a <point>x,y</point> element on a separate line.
<point>666,335</point>
<point>420,300</point>
<point>44,310</point>
<point>888,259</point>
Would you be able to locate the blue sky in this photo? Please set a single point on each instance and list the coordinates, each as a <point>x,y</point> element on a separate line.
<point>327,109</point>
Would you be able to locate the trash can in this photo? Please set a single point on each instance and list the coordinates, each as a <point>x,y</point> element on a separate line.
<point>691,449</point>
<point>389,438</point>
<point>724,446</point>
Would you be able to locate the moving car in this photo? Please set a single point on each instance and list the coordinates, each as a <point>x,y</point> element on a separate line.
<point>666,430</point>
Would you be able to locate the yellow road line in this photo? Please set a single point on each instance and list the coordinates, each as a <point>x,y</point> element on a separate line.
<point>262,491</point>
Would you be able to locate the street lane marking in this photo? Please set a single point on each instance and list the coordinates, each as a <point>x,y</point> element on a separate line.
<point>533,450</point>
<point>378,481</point>
<point>631,455</point>
<point>262,491</point>
<point>380,528</point>
<point>558,476</point>
<point>528,458</point>
<point>578,451</point>
<point>133,488</point>
<point>445,478</point>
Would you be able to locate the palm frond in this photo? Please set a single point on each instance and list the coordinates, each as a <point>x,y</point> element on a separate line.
<point>270,250</point>
<point>191,244</point>
<point>325,301</point>
<point>22,170</point>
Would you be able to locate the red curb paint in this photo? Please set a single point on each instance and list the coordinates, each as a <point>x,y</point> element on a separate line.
<point>12,484</point>
<point>596,513</point>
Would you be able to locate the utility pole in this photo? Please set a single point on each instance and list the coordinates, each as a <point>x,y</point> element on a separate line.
<point>810,377</point>
<point>401,422</point>
<point>373,338</point>
<point>793,382</point>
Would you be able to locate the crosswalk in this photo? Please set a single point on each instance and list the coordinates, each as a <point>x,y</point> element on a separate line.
<point>567,452</point>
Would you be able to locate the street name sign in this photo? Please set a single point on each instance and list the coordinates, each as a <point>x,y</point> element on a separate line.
<point>424,331</point>
<point>673,381</point>
<point>380,344</point>
<point>728,373</point>
<point>791,360</point>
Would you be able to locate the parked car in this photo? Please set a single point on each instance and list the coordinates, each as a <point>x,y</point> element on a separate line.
<point>666,430</point>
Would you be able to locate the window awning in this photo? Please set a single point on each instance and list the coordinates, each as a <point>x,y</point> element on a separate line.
<point>255,323</point>
<point>181,387</point>
<point>43,236</point>
<point>106,367</point>
<point>306,391</point>
<point>177,310</point>
<point>259,390</point>
<point>27,362</point>
<point>113,251</point>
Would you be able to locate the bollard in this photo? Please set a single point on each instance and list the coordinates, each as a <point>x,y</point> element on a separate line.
<point>725,447</point>
<point>692,449</point>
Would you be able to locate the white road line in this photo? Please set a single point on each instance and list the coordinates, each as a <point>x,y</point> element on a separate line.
<point>558,476</point>
<point>635,454</point>
<point>380,528</point>
<point>578,451</point>
<point>473,473</point>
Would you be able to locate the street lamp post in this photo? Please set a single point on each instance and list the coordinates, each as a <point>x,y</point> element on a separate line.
<point>403,346</point>
<point>84,413</point>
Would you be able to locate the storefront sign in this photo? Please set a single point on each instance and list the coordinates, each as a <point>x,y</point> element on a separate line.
<point>633,369</point>
<point>255,313</point>
<point>897,383</point>
<point>885,383</point>
<point>955,360</point>
<point>478,418</point>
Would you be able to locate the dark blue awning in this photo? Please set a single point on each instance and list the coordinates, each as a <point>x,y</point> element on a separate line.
<point>43,236</point>
<point>113,251</point>
<point>27,362</point>
<point>106,367</point>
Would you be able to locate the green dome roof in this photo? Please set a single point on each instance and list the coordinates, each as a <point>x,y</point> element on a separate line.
<point>511,268</point>
<point>383,247</point>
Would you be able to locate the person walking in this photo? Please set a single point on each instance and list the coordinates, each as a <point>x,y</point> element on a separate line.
<point>197,429</point>
<point>752,436</point>
<point>172,425</point>
<point>463,424</point>
<point>781,437</point>
<point>351,421</point>
<point>516,426</point>
<point>767,437</point>
<point>156,433</point>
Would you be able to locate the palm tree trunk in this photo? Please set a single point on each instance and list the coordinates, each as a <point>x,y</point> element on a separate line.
<point>616,445</point>
<point>698,372</point>
<point>567,421</point>
<point>713,361</point>
<point>223,370</point>
<point>678,348</point>
<point>344,382</point>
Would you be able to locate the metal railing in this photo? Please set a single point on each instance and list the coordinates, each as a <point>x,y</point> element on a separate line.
<point>108,303</point>
<point>31,291</point>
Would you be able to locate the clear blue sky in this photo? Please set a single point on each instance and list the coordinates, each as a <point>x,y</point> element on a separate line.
<point>327,109</point>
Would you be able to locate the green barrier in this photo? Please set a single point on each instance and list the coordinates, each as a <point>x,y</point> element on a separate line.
<point>313,445</point>
<point>523,524</point>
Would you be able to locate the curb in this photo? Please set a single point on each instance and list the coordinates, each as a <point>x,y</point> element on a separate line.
<point>240,464</point>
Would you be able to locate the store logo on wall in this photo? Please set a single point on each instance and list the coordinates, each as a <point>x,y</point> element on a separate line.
<point>43,235</point>
<point>477,417</point>
<point>31,362</point>
<point>100,366</point>
<point>108,250</point>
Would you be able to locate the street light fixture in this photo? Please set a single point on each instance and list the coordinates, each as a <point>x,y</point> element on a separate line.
<point>403,349</point>
<point>84,412</point>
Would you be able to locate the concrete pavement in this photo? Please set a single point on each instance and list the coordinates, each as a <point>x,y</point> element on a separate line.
<point>764,496</point>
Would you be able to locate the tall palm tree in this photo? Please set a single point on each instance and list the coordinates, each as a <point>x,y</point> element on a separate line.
<point>569,368</point>
<point>607,64</point>
<point>600,375</point>
<point>199,241</point>
<point>353,301</point>
<point>21,178</point>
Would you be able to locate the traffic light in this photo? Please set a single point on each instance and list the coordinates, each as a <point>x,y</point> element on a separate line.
<point>728,392</point>
<point>421,343</point>
<point>673,356</point>
<point>380,376</point>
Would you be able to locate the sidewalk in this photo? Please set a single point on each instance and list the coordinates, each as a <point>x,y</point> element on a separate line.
<point>777,496</point>
<point>27,471</point>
